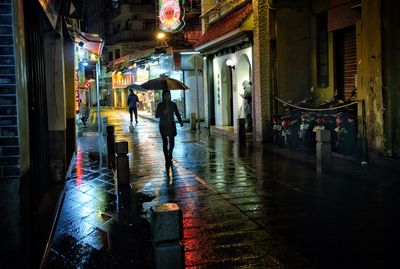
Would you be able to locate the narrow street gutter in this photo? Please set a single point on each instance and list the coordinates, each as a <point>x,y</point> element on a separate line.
<point>56,215</point>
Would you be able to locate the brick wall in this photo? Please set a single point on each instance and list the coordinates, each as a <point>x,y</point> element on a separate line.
<point>261,71</point>
<point>9,142</point>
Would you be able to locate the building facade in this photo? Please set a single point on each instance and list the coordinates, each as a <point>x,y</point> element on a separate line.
<point>134,55</point>
<point>339,49</point>
<point>37,120</point>
<point>227,45</point>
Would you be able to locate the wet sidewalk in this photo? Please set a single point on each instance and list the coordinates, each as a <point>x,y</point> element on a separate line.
<point>243,207</point>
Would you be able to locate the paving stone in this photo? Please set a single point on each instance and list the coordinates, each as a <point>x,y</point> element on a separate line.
<point>242,208</point>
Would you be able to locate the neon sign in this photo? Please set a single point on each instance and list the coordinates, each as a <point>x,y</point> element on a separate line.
<point>171,16</point>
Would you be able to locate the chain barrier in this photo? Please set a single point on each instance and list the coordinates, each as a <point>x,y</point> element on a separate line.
<point>363,116</point>
<point>316,109</point>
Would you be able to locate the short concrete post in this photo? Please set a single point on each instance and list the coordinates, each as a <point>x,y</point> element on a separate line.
<point>241,131</point>
<point>166,226</point>
<point>110,146</point>
<point>121,149</point>
<point>104,123</point>
<point>323,138</point>
<point>193,121</point>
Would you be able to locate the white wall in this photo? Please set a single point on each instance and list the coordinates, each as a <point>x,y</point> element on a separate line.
<point>238,75</point>
<point>191,93</point>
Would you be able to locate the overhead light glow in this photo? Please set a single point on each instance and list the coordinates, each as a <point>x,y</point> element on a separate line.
<point>161,35</point>
<point>229,63</point>
<point>190,53</point>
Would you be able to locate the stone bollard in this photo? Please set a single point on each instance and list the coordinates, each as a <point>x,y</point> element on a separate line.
<point>241,131</point>
<point>323,138</point>
<point>166,226</point>
<point>121,149</point>
<point>193,121</point>
<point>104,123</point>
<point>110,146</point>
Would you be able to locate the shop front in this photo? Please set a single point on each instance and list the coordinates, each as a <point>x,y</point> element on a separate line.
<point>119,92</point>
<point>232,73</point>
<point>228,68</point>
<point>154,67</point>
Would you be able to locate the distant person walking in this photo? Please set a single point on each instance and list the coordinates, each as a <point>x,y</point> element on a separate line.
<point>165,111</point>
<point>84,111</point>
<point>133,102</point>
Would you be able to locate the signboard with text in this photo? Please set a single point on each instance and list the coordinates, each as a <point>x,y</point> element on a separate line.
<point>121,80</point>
<point>171,15</point>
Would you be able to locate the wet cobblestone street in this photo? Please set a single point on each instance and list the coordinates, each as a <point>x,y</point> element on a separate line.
<point>243,207</point>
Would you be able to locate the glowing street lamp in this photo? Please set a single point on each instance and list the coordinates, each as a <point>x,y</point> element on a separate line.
<point>160,35</point>
<point>161,38</point>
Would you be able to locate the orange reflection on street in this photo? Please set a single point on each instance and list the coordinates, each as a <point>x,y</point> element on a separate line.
<point>196,246</point>
<point>79,170</point>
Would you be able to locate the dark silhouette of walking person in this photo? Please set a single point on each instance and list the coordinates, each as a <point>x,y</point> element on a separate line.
<point>133,101</point>
<point>165,111</point>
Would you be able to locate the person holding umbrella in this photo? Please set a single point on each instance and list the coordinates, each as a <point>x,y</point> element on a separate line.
<point>165,112</point>
<point>133,101</point>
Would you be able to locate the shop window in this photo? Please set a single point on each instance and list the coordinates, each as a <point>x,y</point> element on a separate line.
<point>117,54</point>
<point>110,56</point>
<point>322,52</point>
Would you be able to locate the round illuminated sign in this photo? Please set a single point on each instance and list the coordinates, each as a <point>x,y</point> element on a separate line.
<point>171,16</point>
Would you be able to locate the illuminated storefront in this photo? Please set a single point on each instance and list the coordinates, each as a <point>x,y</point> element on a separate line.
<point>119,82</point>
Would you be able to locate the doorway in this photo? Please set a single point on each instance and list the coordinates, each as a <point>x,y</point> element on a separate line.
<point>345,64</point>
<point>227,95</point>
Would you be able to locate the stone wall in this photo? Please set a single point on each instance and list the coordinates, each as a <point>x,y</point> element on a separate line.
<point>370,73</point>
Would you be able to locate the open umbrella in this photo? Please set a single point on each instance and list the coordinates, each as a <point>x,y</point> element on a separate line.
<point>135,87</point>
<point>164,83</point>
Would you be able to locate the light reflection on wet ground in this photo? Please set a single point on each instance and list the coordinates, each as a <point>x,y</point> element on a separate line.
<point>242,206</point>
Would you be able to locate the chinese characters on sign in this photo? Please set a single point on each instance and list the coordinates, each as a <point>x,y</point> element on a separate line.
<point>218,91</point>
<point>171,15</point>
<point>121,80</point>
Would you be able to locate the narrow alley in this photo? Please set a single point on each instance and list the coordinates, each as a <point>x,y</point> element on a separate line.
<point>243,207</point>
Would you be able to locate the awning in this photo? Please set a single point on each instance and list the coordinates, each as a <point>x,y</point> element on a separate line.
<point>141,54</point>
<point>120,60</point>
<point>91,42</point>
<point>229,25</point>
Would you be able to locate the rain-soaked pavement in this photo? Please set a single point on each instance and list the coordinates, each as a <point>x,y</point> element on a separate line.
<point>243,207</point>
